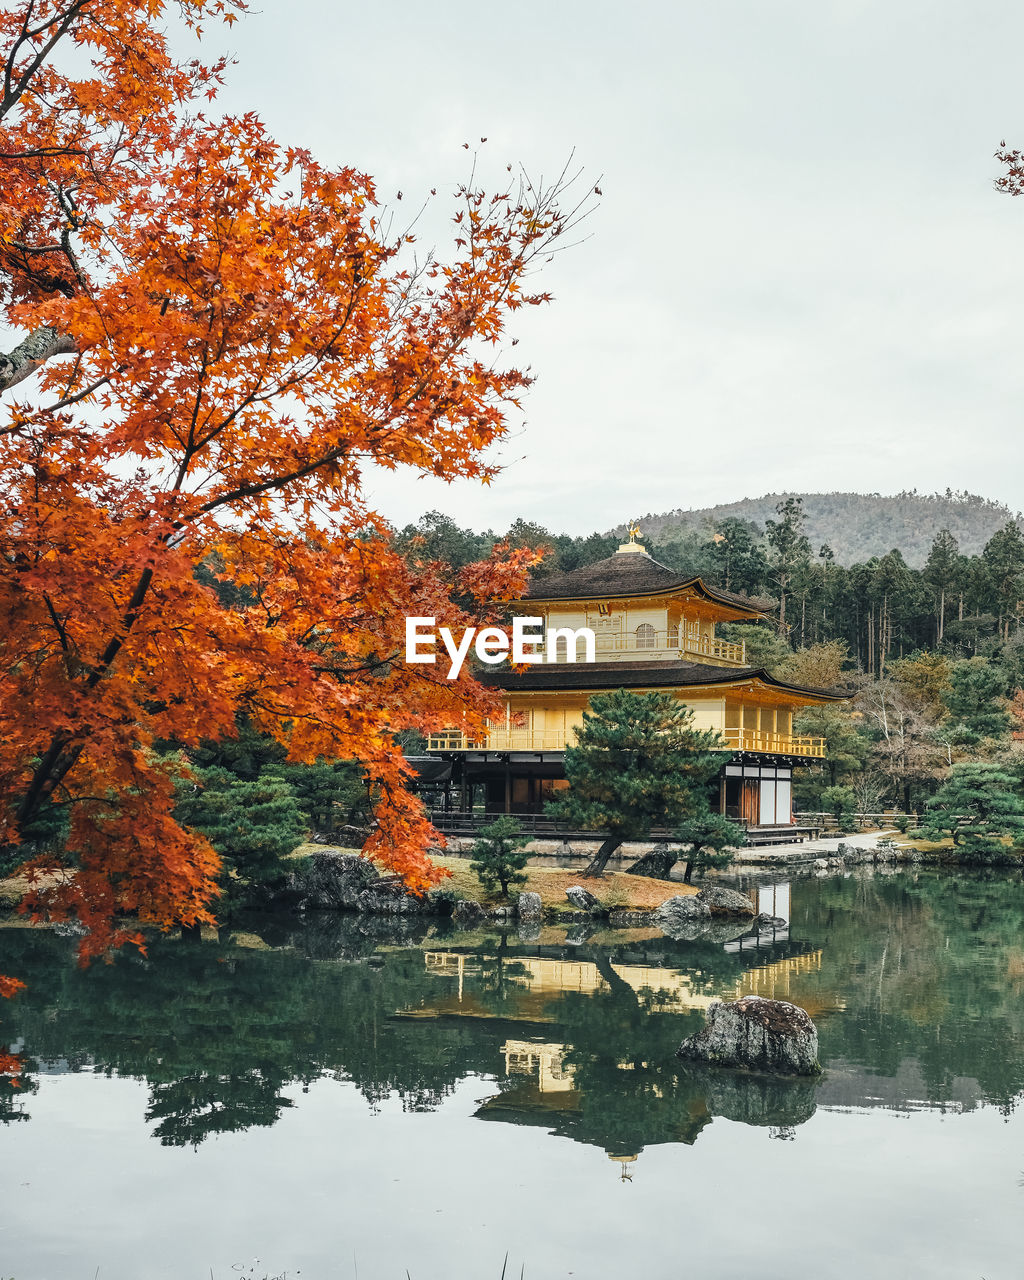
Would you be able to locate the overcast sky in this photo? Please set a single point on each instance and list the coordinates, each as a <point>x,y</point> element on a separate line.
<point>799,276</point>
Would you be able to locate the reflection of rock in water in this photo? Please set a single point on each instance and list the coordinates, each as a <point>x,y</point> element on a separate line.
<point>577,934</point>
<point>753,1099</point>
<point>333,935</point>
<point>725,930</point>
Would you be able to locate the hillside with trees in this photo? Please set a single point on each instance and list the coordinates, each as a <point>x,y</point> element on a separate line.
<point>855,525</point>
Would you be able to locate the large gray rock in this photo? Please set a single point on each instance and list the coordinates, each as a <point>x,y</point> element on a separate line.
<point>726,902</point>
<point>684,917</point>
<point>390,898</point>
<point>684,906</point>
<point>529,907</point>
<point>332,880</point>
<point>758,1034</point>
<point>582,899</point>
<point>466,911</point>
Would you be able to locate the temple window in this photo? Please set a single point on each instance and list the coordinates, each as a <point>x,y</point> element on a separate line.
<point>646,636</point>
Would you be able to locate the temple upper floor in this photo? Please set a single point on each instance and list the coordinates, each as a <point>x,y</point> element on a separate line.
<point>639,609</point>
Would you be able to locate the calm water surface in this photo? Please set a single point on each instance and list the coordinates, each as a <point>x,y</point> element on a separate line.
<point>352,1100</point>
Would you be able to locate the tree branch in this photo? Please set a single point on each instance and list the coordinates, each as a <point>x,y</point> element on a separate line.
<point>41,345</point>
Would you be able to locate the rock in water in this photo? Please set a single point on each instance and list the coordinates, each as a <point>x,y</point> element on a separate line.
<point>758,1034</point>
<point>725,902</point>
<point>684,917</point>
<point>389,897</point>
<point>466,911</point>
<point>332,880</point>
<point>582,899</point>
<point>685,906</point>
<point>529,907</point>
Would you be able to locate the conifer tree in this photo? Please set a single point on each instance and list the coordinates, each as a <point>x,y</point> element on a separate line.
<point>941,572</point>
<point>252,825</point>
<point>975,703</point>
<point>638,763</point>
<point>498,857</point>
<point>979,807</point>
<point>789,549</point>
<point>711,837</point>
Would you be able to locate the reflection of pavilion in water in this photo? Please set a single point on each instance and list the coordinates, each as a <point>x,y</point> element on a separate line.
<point>669,989</point>
<point>672,990</point>
<point>772,900</point>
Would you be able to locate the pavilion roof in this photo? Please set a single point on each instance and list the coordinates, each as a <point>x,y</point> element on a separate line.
<point>668,673</point>
<point>630,573</point>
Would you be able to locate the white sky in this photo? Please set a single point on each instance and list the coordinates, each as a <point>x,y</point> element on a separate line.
<point>799,277</point>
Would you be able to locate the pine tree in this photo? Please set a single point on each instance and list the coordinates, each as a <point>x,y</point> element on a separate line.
<point>979,807</point>
<point>942,571</point>
<point>711,837</point>
<point>975,701</point>
<point>789,549</point>
<point>498,857</point>
<point>638,763</point>
<point>1004,561</point>
<point>253,826</point>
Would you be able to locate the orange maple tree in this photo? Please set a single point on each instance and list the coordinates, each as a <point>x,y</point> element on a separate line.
<point>220,334</point>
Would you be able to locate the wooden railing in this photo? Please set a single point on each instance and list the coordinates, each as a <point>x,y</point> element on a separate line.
<point>675,642</point>
<point>774,743</point>
<point>503,739</point>
<point>499,739</point>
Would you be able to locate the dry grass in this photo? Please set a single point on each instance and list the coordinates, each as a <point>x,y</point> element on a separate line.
<point>615,890</point>
<point>14,888</point>
<point>304,850</point>
<point>926,846</point>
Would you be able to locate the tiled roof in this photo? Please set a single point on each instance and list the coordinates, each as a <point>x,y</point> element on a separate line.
<point>668,673</point>
<point>627,573</point>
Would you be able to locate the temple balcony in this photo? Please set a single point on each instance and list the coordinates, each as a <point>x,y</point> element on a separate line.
<point>782,744</point>
<point>502,738</point>
<point>676,642</point>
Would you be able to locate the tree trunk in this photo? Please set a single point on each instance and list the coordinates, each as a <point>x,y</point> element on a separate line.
<point>688,872</point>
<point>600,861</point>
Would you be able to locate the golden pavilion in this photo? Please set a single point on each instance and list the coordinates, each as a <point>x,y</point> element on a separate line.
<point>654,631</point>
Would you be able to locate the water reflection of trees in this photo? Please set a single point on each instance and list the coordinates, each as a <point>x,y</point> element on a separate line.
<point>929,972</point>
<point>927,965</point>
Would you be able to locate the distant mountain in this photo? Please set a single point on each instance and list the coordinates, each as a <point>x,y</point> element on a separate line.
<point>856,526</point>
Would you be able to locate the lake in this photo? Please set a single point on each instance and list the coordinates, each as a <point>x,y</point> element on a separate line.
<point>355,1099</point>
